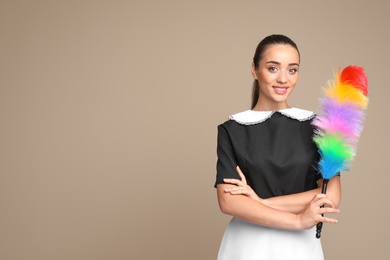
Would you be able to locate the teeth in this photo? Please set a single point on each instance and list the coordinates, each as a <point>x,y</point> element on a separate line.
<point>280,89</point>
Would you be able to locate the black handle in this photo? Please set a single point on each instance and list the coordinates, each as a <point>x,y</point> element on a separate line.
<point>319,225</point>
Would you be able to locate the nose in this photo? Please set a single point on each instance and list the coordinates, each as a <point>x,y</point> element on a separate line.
<point>282,77</point>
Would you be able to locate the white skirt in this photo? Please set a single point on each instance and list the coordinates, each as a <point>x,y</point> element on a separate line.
<point>246,241</point>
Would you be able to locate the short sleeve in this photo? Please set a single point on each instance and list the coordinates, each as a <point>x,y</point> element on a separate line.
<point>227,160</point>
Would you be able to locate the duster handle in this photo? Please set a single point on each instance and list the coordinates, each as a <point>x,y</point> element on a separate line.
<point>319,225</point>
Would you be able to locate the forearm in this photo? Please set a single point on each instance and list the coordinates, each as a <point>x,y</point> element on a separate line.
<point>256,212</point>
<point>333,190</point>
<point>295,203</point>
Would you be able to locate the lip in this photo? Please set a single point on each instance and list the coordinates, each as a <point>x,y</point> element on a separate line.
<point>280,90</point>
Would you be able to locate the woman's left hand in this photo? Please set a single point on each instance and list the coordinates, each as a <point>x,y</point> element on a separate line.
<point>241,187</point>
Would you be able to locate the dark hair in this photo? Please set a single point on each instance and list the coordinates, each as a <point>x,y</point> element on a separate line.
<point>263,45</point>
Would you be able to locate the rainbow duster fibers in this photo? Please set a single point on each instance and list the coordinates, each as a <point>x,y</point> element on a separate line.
<point>340,123</point>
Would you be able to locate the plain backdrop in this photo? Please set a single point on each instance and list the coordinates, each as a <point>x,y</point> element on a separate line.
<point>109,114</point>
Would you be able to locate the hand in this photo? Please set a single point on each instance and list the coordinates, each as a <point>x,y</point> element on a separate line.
<point>241,187</point>
<point>313,213</point>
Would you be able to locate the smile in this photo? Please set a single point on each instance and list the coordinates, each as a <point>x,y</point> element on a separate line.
<point>281,90</point>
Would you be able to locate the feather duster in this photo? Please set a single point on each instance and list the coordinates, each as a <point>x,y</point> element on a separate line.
<point>340,123</point>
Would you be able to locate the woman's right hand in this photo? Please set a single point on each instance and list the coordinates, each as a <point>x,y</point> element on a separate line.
<point>314,211</point>
<point>241,187</point>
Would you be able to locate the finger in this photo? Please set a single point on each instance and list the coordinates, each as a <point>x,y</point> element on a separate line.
<point>325,202</point>
<point>241,174</point>
<point>328,220</point>
<point>328,210</point>
<point>243,192</point>
<point>234,181</point>
<point>237,188</point>
<point>321,200</point>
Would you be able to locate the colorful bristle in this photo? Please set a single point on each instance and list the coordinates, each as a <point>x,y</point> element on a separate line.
<point>340,120</point>
<point>342,93</point>
<point>335,154</point>
<point>355,76</point>
<point>345,119</point>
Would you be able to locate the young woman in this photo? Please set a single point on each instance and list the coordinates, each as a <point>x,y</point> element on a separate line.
<point>266,170</point>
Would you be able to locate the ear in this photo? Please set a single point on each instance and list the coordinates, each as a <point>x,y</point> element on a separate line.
<point>254,74</point>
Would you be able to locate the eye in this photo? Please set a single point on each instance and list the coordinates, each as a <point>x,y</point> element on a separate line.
<point>293,70</point>
<point>273,69</point>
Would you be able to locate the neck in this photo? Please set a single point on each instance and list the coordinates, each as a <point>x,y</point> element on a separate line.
<point>270,107</point>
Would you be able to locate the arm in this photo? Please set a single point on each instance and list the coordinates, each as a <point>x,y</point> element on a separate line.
<point>294,203</point>
<point>256,212</point>
<point>333,190</point>
<point>251,208</point>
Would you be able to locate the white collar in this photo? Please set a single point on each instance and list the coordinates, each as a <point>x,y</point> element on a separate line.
<point>251,117</point>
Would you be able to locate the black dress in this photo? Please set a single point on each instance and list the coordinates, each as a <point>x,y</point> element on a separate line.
<point>275,151</point>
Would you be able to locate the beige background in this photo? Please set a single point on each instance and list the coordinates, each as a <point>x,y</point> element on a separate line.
<point>109,111</point>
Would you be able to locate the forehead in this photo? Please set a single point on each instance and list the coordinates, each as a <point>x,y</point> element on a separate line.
<point>281,53</point>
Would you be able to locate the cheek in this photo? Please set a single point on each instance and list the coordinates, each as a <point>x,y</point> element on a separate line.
<point>294,79</point>
<point>267,77</point>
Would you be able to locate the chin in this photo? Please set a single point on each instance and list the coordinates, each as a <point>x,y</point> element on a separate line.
<point>280,99</point>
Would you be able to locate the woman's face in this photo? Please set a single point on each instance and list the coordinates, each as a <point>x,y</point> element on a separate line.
<point>277,75</point>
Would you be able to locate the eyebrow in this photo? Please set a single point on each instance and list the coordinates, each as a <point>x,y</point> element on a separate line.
<point>278,63</point>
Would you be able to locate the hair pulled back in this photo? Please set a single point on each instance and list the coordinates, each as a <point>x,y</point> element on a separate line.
<point>263,45</point>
